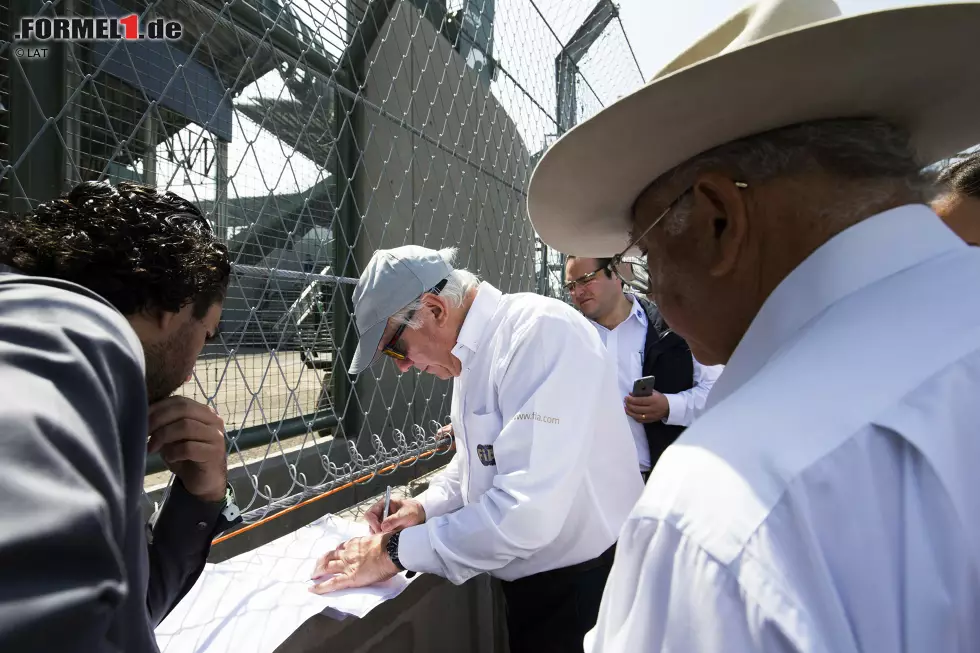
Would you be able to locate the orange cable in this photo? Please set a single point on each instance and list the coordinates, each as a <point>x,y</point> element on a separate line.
<point>427,454</point>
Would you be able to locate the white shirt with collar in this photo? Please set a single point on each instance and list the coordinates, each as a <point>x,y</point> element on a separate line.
<point>827,501</point>
<point>541,441</point>
<point>624,348</point>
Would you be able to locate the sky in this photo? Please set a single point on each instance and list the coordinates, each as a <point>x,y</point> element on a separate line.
<point>658,30</point>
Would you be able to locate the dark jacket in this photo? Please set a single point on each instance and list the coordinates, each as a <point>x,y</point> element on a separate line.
<point>77,570</point>
<point>667,357</point>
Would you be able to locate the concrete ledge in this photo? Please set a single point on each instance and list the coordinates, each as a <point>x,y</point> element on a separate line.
<point>431,616</point>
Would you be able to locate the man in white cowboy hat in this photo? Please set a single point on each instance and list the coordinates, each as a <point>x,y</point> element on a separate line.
<point>826,500</point>
<point>536,492</point>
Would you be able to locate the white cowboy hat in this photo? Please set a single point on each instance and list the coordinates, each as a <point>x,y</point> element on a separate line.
<point>774,64</point>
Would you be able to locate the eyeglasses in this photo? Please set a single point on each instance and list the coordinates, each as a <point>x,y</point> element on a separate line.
<point>583,280</point>
<point>639,277</point>
<point>393,348</point>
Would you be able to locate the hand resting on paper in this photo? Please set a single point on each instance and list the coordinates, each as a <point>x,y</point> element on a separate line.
<point>358,562</point>
<point>402,513</point>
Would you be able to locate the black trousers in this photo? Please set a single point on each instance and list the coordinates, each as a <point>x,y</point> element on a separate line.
<point>552,611</point>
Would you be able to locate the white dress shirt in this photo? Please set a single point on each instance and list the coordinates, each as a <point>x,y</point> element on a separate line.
<point>537,480</point>
<point>624,350</point>
<point>827,500</point>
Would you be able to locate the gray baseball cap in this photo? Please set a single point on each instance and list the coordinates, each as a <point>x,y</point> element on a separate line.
<point>392,280</point>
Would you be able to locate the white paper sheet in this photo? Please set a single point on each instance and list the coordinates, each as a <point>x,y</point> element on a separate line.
<point>253,602</point>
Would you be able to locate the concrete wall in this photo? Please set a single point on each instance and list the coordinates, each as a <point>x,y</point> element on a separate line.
<point>410,191</point>
<point>431,616</point>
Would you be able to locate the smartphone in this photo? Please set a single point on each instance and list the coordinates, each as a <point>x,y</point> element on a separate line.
<point>643,387</point>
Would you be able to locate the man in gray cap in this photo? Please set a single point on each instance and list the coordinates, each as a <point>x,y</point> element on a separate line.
<point>535,494</point>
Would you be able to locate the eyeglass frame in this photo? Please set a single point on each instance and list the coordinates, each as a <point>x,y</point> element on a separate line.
<point>581,281</point>
<point>618,259</point>
<point>388,349</point>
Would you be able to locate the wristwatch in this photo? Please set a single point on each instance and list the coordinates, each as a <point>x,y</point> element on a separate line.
<point>392,549</point>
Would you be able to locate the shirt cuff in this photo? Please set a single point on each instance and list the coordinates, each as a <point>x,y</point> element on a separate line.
<point>188,522</point>
<point>435,501</point>
<point>415,551</point>
<point>676,412</point>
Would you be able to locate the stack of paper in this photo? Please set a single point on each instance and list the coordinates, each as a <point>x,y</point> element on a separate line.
<point>253,602</point>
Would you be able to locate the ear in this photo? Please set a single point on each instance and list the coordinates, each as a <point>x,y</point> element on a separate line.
<point>155,319</point>
<point>152,325</point>
<point>723,205</point>
<point>439,308</point>
<point>165,320</point>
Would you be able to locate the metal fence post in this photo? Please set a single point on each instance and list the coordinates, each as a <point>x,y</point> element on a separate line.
<point>566,100</point>
<point>346,223</point>
<point>365,18</point>
<point>38,93</point>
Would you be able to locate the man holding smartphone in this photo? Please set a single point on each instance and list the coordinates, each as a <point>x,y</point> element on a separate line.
<point>663,386</point>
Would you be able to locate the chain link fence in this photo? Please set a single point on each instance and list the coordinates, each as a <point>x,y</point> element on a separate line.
<point>312,133</point>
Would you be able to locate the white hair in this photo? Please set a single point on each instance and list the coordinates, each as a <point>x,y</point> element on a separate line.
<point>458,283</point>
<point>873,158</point>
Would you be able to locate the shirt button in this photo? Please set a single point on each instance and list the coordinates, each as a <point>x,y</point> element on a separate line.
<point>201,525</point>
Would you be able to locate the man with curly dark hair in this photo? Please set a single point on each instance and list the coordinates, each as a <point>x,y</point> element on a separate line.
<point>107,296</point>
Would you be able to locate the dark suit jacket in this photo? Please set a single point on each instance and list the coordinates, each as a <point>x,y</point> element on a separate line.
<point>667,357</point>
<point>78,571</point>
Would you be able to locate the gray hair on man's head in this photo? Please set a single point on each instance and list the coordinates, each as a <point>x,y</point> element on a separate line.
<point>458,283</point>
<point>873,158</point>
<point>961,175</point>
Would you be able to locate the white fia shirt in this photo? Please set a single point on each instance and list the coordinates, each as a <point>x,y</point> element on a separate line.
<point>828,499</point>
<point>624,350</point>
<point>537,480</point>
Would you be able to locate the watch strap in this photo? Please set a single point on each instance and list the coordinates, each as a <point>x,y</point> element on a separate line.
<point>392,549</point>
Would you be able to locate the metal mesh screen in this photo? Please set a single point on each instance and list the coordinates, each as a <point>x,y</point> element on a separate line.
<point>312,133</point>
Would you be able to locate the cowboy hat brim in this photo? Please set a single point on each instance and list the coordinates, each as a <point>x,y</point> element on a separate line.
<point>914,66</point>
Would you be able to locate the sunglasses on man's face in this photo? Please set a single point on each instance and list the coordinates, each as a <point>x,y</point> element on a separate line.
<point>394,348</point>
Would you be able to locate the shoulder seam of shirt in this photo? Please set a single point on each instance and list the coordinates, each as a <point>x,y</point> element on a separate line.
<point>520,336</point>
<point>521,332</point>
<point>726,569</point>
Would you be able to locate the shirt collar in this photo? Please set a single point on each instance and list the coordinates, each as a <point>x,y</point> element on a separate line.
<point>871,250</point>
<point>473,333</point>
<point>637,310</point>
